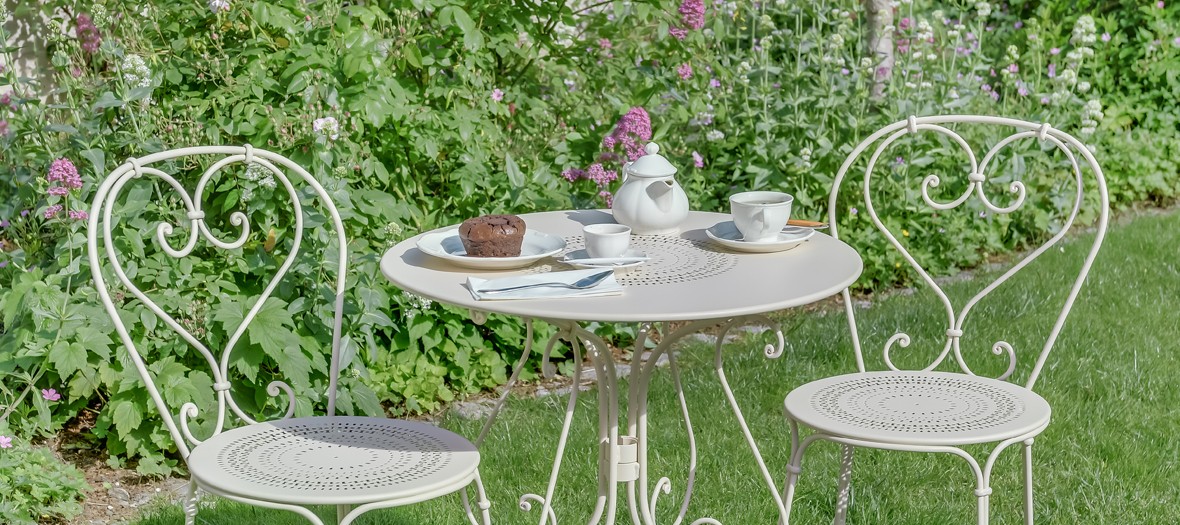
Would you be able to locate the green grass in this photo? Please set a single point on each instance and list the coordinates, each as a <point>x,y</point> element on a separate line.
<point>1109,456</point>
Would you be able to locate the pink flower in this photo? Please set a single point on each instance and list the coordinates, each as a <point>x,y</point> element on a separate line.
<point>1022,90</point>
<point>600,175</point>
<point>1044,101</point>
<point>678,33</point>
<point>1106,37</point>
<point>698,160</point>
<point>497,95</point>
<point>904,24</point>
<point>59,191</point>
<point>3,128</point>
<point>692,13</point>
<point>88,35</point>
<point>573,174</point>
<point>50,394</point>
<point>1160,4</point>
<point>714,83</point>
<point>79,215</point>
<point>685,71</point>
<point>606,196</point>
<point>64,172</point>
<point>632,131</point>
<point>1055,51</point>
<point>5,442</point>
<point>1013,68</point>
<point>52,211</point>
<point>845,71</point>
<point>1019,24</point>
<point>604,43</point>
<point>1052,70</point>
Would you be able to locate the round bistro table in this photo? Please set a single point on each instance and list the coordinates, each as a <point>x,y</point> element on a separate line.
<point>689,280</point>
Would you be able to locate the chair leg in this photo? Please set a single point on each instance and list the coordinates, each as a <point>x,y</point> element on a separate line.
<point>844,487</point>
<point>341,512</point>
<point>1028,482</point>
<point>793,470</point>
<point>482,502</point>
<point>983,494</point>
<point>190,503</point>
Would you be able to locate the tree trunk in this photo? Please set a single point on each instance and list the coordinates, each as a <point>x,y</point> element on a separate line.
<point>879,43</point>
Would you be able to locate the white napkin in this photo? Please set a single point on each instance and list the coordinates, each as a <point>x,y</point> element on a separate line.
<point>609,286</point>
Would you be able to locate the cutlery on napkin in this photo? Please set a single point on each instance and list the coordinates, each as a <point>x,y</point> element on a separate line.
<point>480,288</point>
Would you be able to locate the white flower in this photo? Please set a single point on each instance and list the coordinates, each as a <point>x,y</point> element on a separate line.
<point>327,126</point>
<point>135,71</point>
<point>1083,87</point>
<point>931,56</point>
<point>924,32</point>
<point>837,40</point>
<point>925,84</point>
<point>714,135</point>
<point>1084,31</point>
<point>268,182</point>
<point>938,14</point>
<point>953,93</point>
<point>217,6</point>
<point>805,153</point>
<point>984,8</point>
<point>1013,53</point>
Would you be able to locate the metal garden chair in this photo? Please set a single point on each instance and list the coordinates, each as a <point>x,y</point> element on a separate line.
<point>933,411</point>
<point>357,464</point>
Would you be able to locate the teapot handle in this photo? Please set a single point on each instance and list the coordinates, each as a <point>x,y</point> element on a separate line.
<point>623,177</point>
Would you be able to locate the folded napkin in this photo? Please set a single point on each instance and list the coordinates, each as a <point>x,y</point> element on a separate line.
<point>609,286</point>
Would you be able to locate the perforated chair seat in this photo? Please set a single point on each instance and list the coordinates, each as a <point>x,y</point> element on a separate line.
<point>334,460</point>
<point>918,408</point>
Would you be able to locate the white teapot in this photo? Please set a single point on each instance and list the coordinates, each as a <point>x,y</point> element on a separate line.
<point>650,201</point>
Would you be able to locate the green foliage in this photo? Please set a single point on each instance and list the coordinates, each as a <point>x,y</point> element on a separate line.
<point>419,113</point>
<point>35,486</point>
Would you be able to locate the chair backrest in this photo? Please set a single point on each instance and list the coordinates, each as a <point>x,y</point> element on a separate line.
<point>102,222</point>
<point>977,181</point>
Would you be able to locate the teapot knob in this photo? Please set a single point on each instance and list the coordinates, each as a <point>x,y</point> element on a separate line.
<point>652,148</point>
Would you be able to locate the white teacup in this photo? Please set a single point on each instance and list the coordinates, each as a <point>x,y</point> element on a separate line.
<point>607,240</point>
<point>760,215</point>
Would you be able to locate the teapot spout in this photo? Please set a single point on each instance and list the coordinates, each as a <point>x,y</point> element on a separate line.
<point>661,192</point>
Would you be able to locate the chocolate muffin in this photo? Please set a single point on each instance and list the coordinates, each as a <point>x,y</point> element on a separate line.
<point>492,236</point>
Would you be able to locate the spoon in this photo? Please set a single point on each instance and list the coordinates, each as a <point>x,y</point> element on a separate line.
<point>807,224</point>
<point>581,284</point>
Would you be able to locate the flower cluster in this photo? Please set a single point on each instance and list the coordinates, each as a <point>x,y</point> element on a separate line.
<point>692,17</point>
<point>327,127</point>
<point>135,71</point>
<point>63,177</point>
<point>632,132</point>
<point>218,6</point>
<point>88,35</point>
<point>684,71</point>
<point>1091,114</point>
<point>260,176</point>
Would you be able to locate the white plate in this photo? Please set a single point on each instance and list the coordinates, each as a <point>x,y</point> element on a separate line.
<point>571,259</point>
<point>447,245</point>
<point>727,234</point>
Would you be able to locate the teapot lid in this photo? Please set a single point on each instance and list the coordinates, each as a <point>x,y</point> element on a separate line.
<point>651,165</point>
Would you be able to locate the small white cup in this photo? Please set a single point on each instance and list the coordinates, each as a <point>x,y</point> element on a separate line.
<point>760,215</point>
<point>607,240</point>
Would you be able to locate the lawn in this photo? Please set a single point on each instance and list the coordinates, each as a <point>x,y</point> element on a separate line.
<point>1109,456</point>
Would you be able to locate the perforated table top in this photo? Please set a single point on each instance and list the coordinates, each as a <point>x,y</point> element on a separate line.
<point>688,277</point>
<point>918,408</point>
<point>334,460</point>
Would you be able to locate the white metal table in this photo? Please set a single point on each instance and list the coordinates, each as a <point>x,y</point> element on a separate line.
<point>689,279</point>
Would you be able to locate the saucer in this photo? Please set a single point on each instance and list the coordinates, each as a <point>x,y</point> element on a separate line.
<point>727,235</point>
<point>446,245</point>
<point>571,259</point>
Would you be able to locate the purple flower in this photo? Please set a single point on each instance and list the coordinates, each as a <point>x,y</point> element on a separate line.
<point>632,131</point>
<point>904,24</point>
<point>845,71</point>
<point>5,442</point>
<point>996,96</point>
<point>3,264</point>
<point>698,160</point>
<point>4,223</point>
<point>600,175</point>
<point>692,13</point>
<point>1044,101</point>
<point>604,43</point>
<point>900,161</point>
<point>52,211</point>
<point>573,174</point>
<point>59,191</point>
<point>1052,70</point>
<point>24,213</point>
<point>1055,51</point>
<point>1022,90</point>
<point>50,394</point>
<point>678,33</point>
<point>1176,41</point>
<point>88,35</point>
<point>79,215</point>
<point>714,83</point>
<point>854,211</point>
<point>1013,68</point>
<point>985,87</point>
<point>685,71</point>
<point>1106,37</point>
<point>63,171</point>
<point>1019,24</point>
<point>606,196</point>
<point>4,128</point>
<point>497,95</point>
<point>1160,4</point>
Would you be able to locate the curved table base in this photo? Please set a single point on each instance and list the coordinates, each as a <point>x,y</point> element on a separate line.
<point>623,457</point>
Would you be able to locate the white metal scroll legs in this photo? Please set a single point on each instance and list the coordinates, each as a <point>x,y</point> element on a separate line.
<point>844,486</point>
<point>1028,482</point>
<point>190,503</point>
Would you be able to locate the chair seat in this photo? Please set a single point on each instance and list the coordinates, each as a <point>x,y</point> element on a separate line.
<point>918,408</point>
<point>334,460</point>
